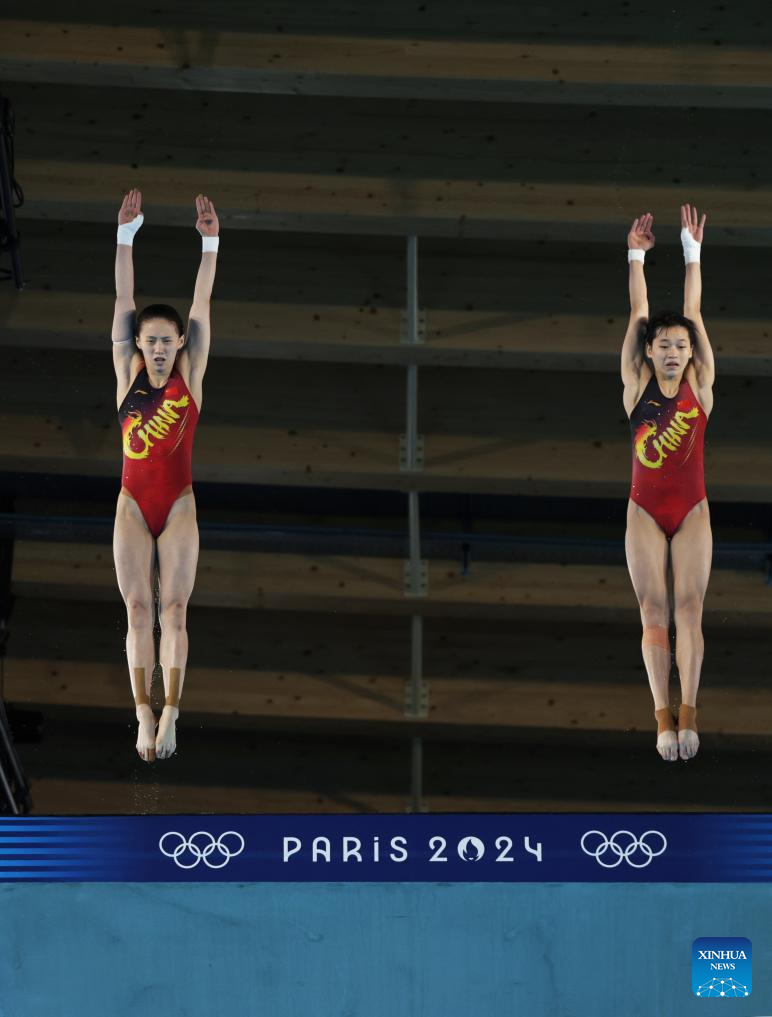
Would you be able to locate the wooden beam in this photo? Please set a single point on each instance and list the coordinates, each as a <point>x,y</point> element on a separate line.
<point>379,699</point>
<point>61,797</point>
<point>330,646</point>
<point>260,580</point>
<point>363,204</point>
<point>553,466</point>
<point>41,319</point>
<point>342,65</point>
<point>322,426</point>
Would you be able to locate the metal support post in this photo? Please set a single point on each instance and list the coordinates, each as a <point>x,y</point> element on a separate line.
<point>412,456</point>
<point>416,584</point>
<point>411,443</point>
<point>416,770</point>
<point>416,579</point>
<point>417,691</point>
<point>13,784</point>
<point>412,338</point>
<point>9,236</point>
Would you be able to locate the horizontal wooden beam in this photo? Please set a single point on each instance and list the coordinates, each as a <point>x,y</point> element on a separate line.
<point>360,204</point>
<point>41,318</point>
<point>317,582</point>
<point>61,796</point>
<point>320,425</point>
<point>380,699</point>
<point>344,65</point>
<point>330,457</point>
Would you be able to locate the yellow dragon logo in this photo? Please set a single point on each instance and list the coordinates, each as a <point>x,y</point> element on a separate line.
<point>668,440</point>
<point>158,427</point>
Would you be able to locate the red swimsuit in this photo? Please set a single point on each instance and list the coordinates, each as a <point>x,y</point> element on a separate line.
<point>158,425</point>
<point>668,436</point>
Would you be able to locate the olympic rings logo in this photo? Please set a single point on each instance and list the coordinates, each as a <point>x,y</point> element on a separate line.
<point>200,847</point>
<point>623,847</point>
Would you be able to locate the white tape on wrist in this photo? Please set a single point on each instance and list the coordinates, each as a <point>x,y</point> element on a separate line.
<point>691,247</point>
<point>634,254</point>
<point>127,230</point>
<point>209,244</point>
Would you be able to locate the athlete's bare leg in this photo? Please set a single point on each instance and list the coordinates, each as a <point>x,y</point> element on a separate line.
<point>177,560</point>
<point>133,552</point>
<point>647,556</point>
<point>691,551</point>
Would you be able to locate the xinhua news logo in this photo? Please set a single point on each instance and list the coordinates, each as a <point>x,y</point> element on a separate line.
<point>721,966</point>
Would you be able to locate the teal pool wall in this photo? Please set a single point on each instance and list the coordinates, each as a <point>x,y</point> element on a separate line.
<point>372,950</point>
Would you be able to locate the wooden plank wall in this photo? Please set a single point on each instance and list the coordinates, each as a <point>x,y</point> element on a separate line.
<point>519,144</point>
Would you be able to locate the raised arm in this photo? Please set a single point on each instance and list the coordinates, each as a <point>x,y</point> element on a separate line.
<point>639,240</point>
<point>130,219</point>
<point>692,232</point>
<point>199,330</point>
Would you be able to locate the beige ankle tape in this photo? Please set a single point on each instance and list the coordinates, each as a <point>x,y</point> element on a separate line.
<point>687,717</point>
<point>665,720</point>
<point>140,689</point>
<point>656,635</point>
<point>173,698</point>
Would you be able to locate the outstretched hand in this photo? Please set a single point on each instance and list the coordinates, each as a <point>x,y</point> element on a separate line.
<point>131,207</point>
<point>640,237</point>
<point>691,222</point>
<point>207,224</point>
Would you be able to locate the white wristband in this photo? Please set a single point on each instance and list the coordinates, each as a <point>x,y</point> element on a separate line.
<point>209,244</point>
<point>691,247</point>
<point>127,230</point>
<point>635,254</point>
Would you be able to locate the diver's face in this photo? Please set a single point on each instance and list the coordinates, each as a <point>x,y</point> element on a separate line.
<point>158,342</point>
<point>670,351</point>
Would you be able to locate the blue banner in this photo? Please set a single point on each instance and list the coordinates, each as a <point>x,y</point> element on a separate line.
<point>529,848</point>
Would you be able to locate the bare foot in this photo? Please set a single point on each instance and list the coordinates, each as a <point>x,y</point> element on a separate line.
<point>667,746</point>
<point>688,740</point>
<point>667,740</point>
<point>146,733</point>
<point>166,739</point>
<point>688,743</point>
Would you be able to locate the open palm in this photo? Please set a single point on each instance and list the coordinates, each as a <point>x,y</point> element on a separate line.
<point>640,237</point>
<point>207,224</point>
<point>690,221</point>
<point>131,207</point>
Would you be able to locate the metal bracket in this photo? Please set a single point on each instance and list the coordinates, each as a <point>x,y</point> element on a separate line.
<point>421,330</point>
<point>419,453</point>
<point>423,579</point>
<point>417,705</point>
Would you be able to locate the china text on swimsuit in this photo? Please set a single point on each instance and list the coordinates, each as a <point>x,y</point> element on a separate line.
<point>158,427</point>
<point>668,436</point>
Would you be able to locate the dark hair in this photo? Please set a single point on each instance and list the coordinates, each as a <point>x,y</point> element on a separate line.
<point>649,329</point>
<point>164,311</point>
